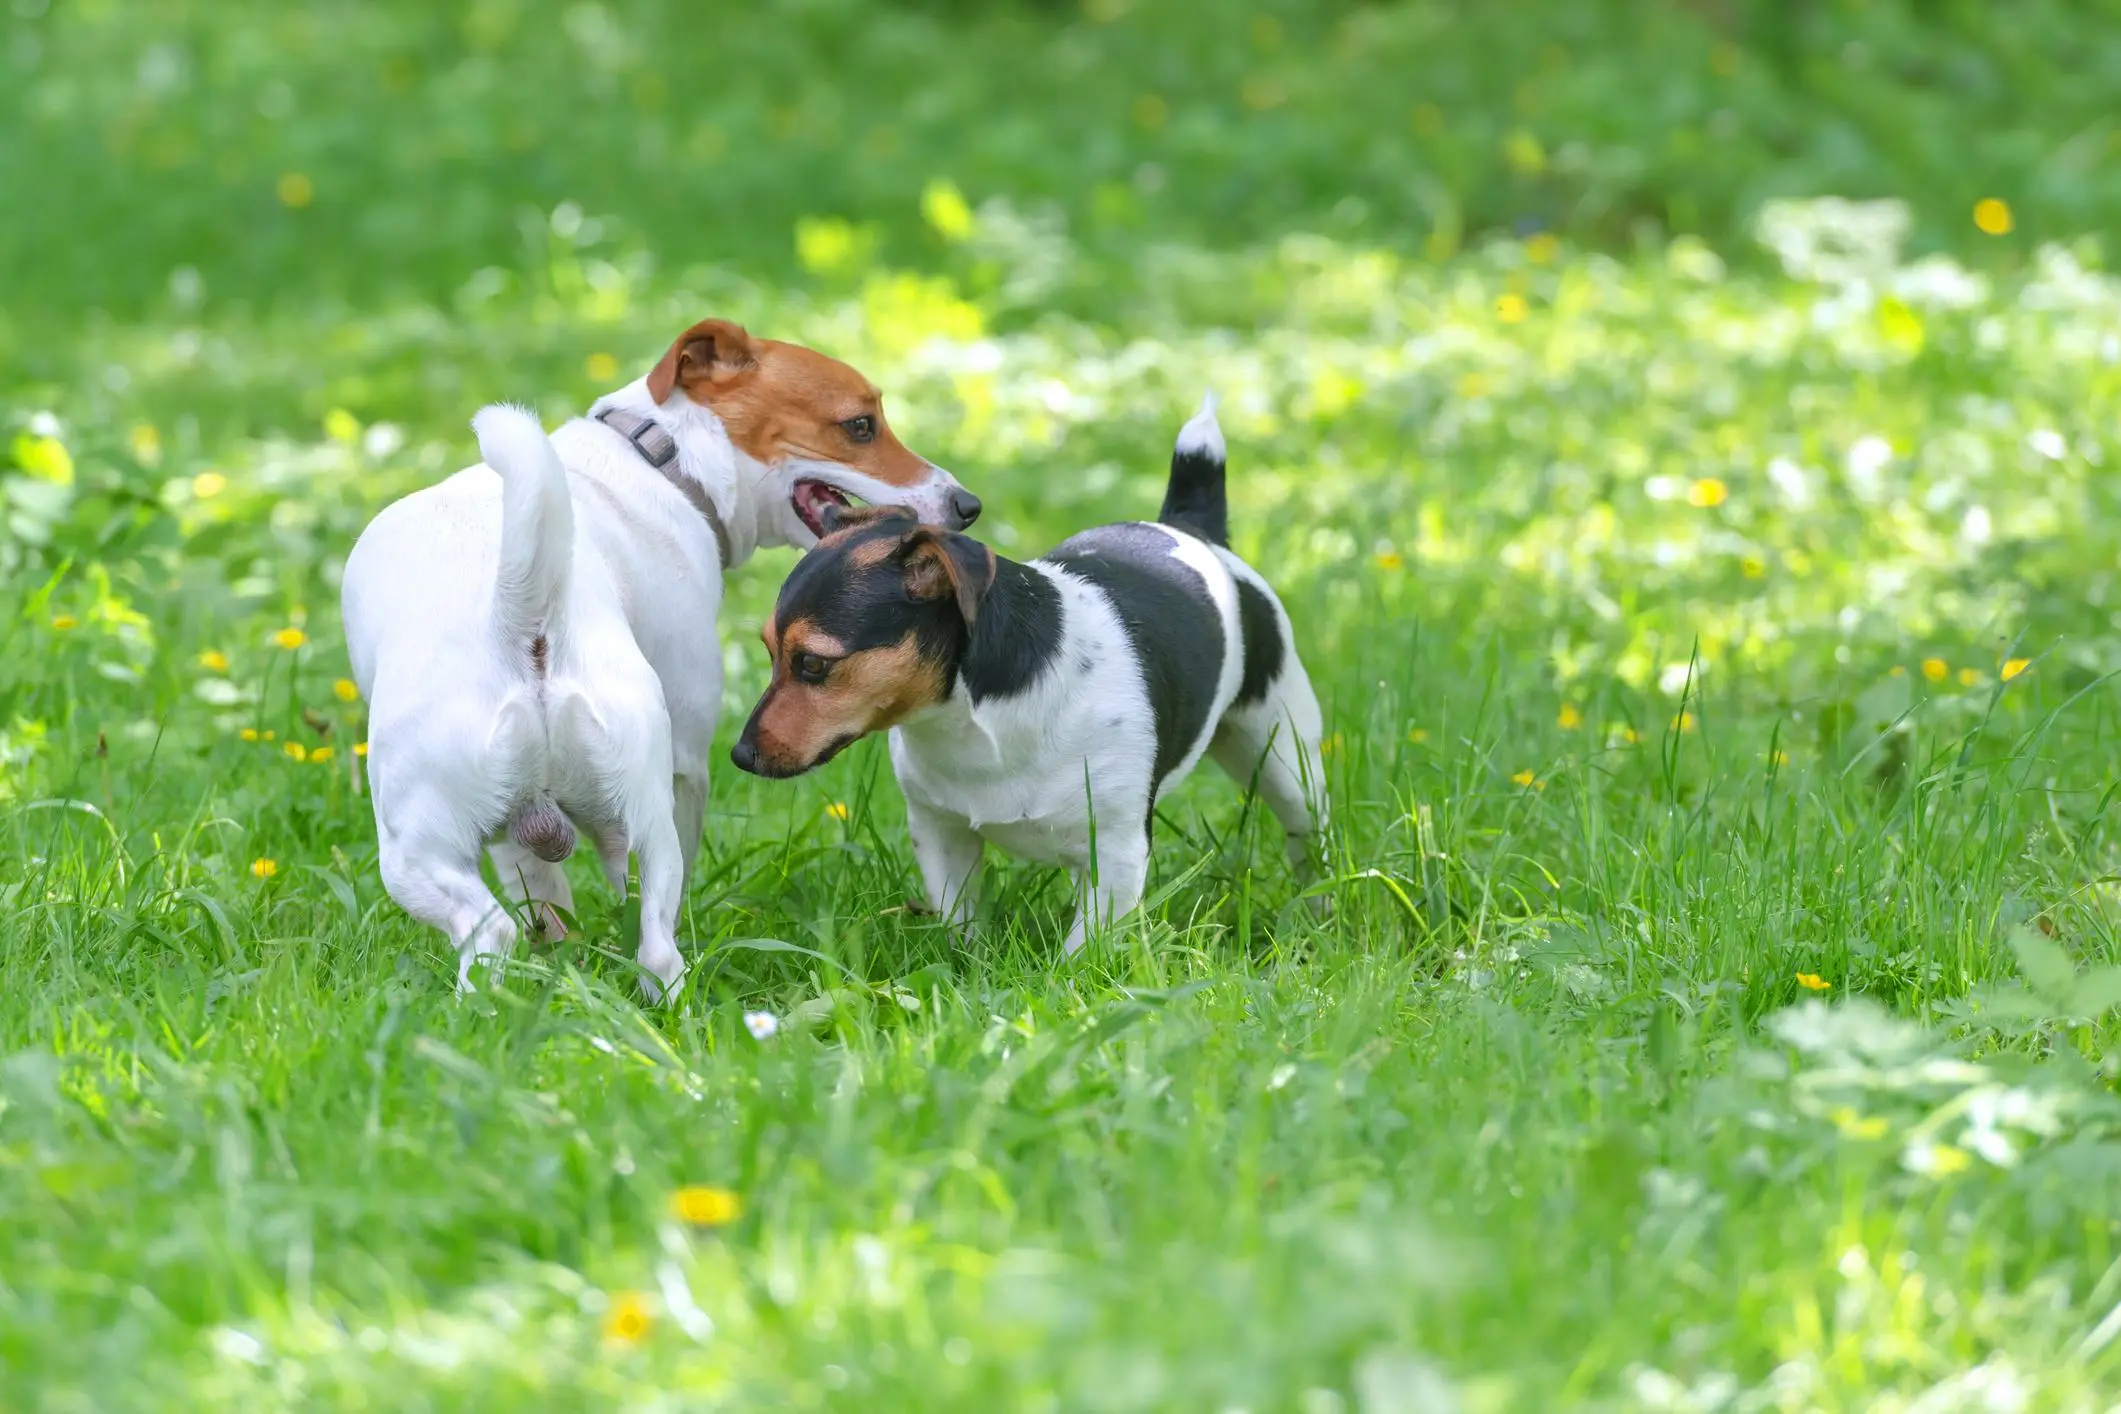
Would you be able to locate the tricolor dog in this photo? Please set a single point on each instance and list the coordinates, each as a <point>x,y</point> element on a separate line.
<point>1042,707</point>
<point>535,635</point>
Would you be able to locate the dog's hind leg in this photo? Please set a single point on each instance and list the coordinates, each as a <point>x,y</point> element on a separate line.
<point>440,888</point>
<point>1276,750</point>
<point>690,810</point>
<point>536,885</point>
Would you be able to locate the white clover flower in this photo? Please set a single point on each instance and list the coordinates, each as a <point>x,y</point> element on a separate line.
<point>763,1025</point>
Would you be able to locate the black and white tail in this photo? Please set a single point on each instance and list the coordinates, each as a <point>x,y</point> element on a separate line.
<point>1194,500</point>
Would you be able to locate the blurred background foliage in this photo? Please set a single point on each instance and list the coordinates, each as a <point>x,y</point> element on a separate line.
<point>295,151</point>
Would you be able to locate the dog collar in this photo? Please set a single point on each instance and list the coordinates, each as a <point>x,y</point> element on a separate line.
<point>659,449</point>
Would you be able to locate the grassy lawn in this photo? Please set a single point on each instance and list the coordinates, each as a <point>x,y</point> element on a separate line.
<point>1714,619</point>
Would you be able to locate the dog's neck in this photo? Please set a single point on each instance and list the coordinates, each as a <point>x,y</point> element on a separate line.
<point>1000,660</point>
<point>734,483</point>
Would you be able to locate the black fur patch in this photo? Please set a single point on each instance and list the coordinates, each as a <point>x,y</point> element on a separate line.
<point>1018,636</point>
<point>1171,621</point>
<point>1264,649</point>
<point>865,606</point>
<point>540,654</point>
<point>1193,500</point>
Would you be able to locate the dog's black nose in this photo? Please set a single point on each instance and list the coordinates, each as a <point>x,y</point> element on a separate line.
<point>746,756</point>
<point>966,506</point>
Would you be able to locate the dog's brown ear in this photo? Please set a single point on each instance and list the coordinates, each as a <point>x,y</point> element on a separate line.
<point>711,351</point>
<point>942,564</point>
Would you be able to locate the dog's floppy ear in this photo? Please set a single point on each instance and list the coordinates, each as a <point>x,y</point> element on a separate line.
<point>834,517</point>
<point>941,564</point>
<point>711,351</point>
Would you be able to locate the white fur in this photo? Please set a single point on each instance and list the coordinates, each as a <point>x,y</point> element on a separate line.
<point>1040,773</point>
<point>576,537</point>
<point>1202,433</point>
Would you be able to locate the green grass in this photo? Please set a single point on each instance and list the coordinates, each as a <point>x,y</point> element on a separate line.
<point>1685,629</point>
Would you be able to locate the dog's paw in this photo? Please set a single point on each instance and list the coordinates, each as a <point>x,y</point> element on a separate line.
<point>660,970</point>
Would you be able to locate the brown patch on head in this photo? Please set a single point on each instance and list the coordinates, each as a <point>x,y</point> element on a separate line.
<point>841,522</point>
<point>799,724</point>
<point>781,400</point>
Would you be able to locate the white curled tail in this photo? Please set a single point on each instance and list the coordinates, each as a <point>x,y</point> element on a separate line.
<point>537,523</point>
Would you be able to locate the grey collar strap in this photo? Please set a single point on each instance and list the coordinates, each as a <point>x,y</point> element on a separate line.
<point>660,450</point>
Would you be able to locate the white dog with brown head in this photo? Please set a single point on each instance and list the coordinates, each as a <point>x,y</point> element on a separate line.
<point>535,635</point>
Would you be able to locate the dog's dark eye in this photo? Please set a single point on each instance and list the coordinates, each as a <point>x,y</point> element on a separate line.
<point>809,667</point>
<point>861,429</point>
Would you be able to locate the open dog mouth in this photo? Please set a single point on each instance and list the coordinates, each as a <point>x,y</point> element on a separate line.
<point>810,500</point>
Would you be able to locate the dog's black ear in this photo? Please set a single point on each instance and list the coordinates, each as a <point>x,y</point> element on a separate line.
<point>941,564</point>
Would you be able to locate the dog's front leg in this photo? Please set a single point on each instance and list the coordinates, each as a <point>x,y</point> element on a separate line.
<point>1112,887</point>
<point>949,855</point>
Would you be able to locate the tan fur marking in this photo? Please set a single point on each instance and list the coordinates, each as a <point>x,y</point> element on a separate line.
<point>870,553</point>
<point>867,692</point>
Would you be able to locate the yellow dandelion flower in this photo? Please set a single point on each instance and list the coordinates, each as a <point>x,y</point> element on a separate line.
<point>1418,735</point>
<point>705,1207</point>
<point>1813,982</point>
<point>1389,560</point>
<point>251,734</point>
<point>1968,677</point>
<point>1330,745</point>
<point>1752,567</point>
<point>290,638</point>
<point>1630,735</point>
<point>1524,778</point>
<point>1511,309</point>
<point>146,443</point>
<point>318,755</point>
<point>294,750</point>
<point>1857,1126</point>
<point>208,484</point>
<point>342,426</point>
<point>64,622</point>
<point>296,191</point>
<point>263,868</point>
<point>1707,492</point>
<point>361,750</point>
<point>2015,666</point>
<point>345,689</point>
<point>1992,215</point>
<point>1948,1159</point>
<point>837,810</point>
<point>1778,759</point>
<point>628,1321</point>
<point>1684,722</point>
<point>1541,249</point>
<point>600,368</point>
<point>214,661</point>
<point>1936,669</point>
<point>1569,719</point>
